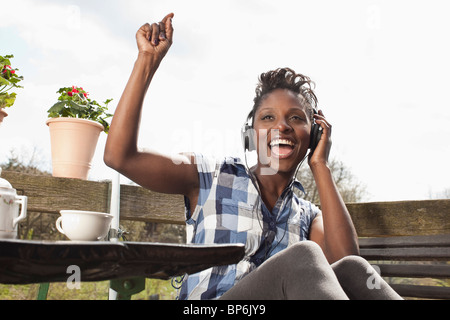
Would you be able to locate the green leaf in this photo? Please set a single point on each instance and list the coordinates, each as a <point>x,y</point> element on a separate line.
<point>6,61</point>
<point>76,106</point>
<point>57,107</point>
<point>10,101</point>
<point>7,100</point>
<point>105,124</point>
<point>4,82</point>
<point>65,89</point>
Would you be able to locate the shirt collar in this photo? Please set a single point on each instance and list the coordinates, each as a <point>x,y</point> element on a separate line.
<point>298,185</point>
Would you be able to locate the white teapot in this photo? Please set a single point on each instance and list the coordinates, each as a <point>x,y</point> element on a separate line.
<point>9,210</point>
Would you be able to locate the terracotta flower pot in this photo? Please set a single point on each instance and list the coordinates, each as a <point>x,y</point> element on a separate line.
<point>3,114</point>
<point>73,143</point>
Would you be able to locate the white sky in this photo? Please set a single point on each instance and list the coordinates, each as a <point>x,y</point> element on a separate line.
<point>381,70</point>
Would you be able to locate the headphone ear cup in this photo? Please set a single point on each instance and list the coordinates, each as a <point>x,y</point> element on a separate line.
<point>316,133</point>
<point>248,138</point>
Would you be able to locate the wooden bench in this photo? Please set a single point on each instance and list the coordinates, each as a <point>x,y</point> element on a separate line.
<point>392,251</point>
<point>407,240</point>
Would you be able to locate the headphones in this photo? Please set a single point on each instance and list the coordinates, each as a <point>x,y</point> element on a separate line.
<point>249,140</point>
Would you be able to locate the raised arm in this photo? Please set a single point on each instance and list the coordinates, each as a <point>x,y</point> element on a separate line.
<point>333,230</point>
<point>151,170</point>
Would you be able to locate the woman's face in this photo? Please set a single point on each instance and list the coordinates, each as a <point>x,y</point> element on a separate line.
<point>283,131</point>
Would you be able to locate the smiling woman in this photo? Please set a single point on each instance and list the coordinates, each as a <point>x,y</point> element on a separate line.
<point>227,202</point>
<point>281,120</point>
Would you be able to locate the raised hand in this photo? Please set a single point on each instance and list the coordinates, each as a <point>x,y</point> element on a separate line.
<point>155,39</point>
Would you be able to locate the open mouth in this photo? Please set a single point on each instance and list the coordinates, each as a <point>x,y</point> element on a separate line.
<point>282,148</point>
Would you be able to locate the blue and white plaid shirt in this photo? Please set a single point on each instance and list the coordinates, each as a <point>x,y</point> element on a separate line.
<point>230,210</point>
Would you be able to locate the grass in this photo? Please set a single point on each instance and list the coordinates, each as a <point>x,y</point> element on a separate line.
<point>87,291</point>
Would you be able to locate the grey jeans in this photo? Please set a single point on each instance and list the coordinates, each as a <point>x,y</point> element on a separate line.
<point>302,272</point>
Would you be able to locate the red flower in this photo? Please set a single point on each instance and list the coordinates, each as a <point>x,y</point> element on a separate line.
<point>71,92</point>
<point>7,68</point>
<point>74,90</point>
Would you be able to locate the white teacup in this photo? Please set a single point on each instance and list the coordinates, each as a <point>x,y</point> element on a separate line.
<point>82,225</point>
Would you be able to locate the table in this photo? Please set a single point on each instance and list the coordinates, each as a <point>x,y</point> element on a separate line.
<point>26,261</point>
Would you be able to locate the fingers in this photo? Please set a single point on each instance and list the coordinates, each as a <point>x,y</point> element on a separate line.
<point>154,34</point>
<point>167,18</point>
<point>320,120</point>
<point>145,30</point>
<point>168,26</point>
<point>162,30</point>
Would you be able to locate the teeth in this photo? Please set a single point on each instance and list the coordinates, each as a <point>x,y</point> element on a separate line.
<point>281,141</point>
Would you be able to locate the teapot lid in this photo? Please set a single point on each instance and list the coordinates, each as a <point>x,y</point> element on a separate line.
<point>4,183</point>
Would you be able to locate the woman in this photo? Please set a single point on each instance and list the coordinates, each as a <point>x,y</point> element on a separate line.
<point>289,243</point>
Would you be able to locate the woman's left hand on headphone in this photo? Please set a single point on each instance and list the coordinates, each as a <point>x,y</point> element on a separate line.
<point>322,151</point>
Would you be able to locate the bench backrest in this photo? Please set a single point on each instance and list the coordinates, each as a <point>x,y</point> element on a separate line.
<point>373,219</point>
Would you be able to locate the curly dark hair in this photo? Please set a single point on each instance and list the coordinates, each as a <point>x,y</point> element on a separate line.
<point>285,78</point>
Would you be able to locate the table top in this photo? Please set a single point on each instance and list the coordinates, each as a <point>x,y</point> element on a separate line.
<point>27,261</point>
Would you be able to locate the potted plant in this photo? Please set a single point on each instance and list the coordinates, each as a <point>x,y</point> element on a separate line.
<point>75,124</point>
<point>8,79</point>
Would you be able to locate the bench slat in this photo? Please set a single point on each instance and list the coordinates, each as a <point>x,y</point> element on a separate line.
<point>417,253</point>
<point>406,290</point>
<point>414,271</point>
<point>410,241</point>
